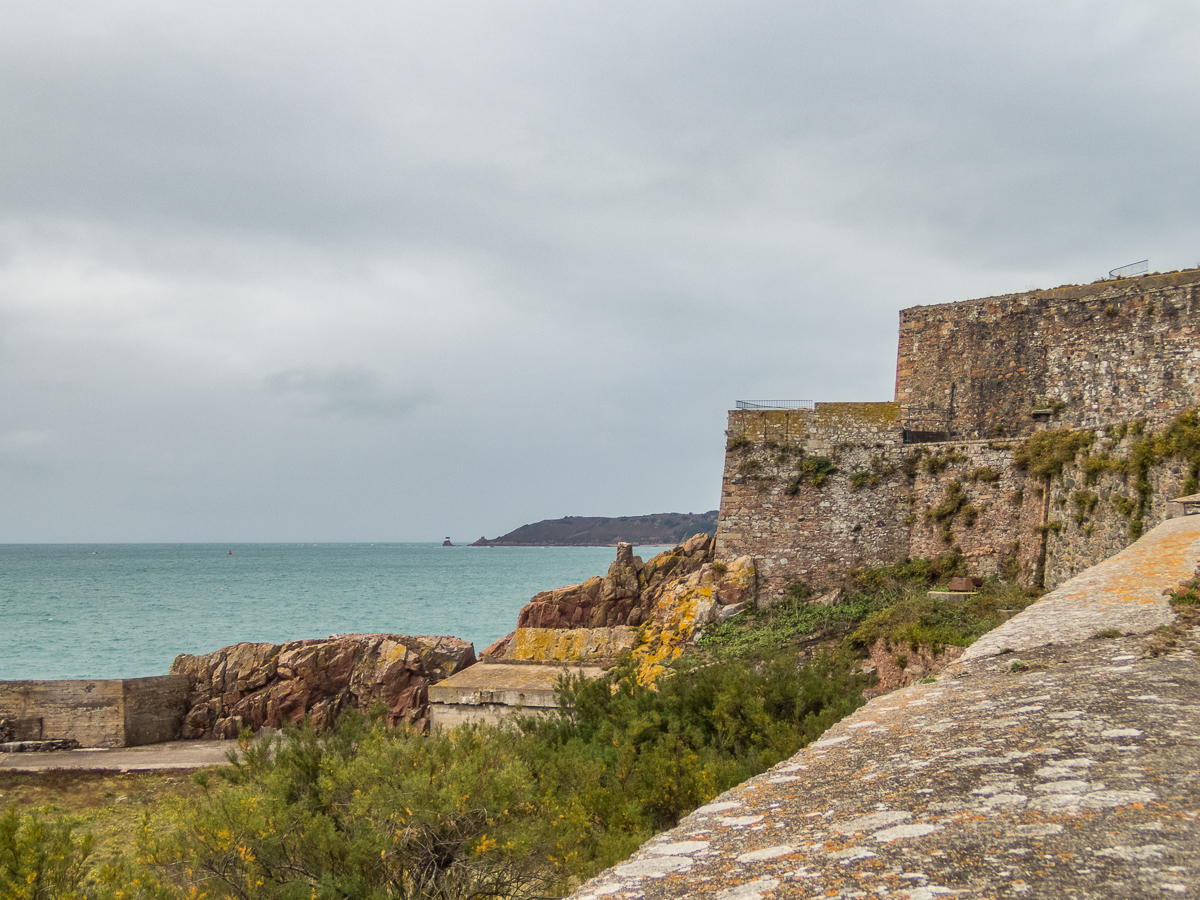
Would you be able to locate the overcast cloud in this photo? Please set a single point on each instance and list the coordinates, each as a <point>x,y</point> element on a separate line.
<point>391,271</point>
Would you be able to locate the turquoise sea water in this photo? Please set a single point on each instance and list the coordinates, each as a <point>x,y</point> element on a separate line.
<point>127,610</point>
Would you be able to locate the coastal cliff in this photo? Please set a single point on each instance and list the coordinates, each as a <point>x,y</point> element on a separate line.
<point>600,531</point>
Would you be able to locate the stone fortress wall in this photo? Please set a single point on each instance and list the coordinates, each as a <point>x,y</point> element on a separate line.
<point>1094,354</point>
<point>810,494</point>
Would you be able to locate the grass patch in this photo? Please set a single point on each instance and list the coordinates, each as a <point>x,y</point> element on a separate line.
<point>920,619</point>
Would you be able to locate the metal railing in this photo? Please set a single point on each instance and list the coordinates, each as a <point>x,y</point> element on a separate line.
<point>1141,267</point>
<point>925,423</point>
<point>777,404</point>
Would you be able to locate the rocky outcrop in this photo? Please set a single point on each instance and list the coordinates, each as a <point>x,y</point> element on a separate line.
<point>272,684</point>
<point>668,600</point>
<point>626,595</point>
<point>683,606</point>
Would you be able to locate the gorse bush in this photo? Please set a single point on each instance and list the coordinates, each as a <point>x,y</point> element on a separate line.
<point>41,860</point>
<point>672,749</point>
<point>367,812</point>
<point>526,810</point>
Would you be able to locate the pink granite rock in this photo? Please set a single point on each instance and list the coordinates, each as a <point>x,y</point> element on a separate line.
<point>273,684</point>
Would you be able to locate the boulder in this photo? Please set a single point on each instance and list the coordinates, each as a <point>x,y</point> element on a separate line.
<point>257,685</point>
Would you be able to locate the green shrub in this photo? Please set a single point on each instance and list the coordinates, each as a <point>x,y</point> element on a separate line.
<point>816,468</point>
<point>41,860</point>
<point>1046,453</point>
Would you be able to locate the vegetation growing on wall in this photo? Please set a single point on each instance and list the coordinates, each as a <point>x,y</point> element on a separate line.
<point>954,502</point>
<point>816,469</point>
<point>937,463</point>
<point>1046,453</point>
<point>874,476</point>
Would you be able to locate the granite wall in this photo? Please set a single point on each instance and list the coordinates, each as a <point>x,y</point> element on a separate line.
<point>875,505</point>
<point>1085,356</point>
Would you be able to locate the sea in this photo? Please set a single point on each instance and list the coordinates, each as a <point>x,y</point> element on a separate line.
<point>127,610</point>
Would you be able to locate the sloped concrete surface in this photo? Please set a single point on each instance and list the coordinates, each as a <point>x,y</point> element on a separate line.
<point>1125,592</point>
<point>1069,769</point>
<point>169,755</point>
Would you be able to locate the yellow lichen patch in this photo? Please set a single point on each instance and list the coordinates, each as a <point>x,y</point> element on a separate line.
<point>394,653</point>
<point>680,611</point>
<point>569,644</point>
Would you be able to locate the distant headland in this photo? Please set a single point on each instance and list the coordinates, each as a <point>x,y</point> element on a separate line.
<point>600,531</point>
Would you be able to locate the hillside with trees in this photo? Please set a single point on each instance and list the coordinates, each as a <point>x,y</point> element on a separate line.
<point>599,531</point>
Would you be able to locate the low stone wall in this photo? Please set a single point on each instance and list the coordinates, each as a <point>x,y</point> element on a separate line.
<point>125,712</point>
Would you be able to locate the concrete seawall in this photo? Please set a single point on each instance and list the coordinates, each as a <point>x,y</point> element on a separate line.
<point>118,712</point>
<point>1050,760</point>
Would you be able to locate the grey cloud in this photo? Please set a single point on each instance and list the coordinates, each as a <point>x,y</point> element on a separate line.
<point>587,227</point>
<point>351,390</point>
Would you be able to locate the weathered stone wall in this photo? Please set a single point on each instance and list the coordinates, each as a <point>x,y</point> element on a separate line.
<point>797,523</point>
<point>1100,353</point>
<point>1088,523</point>
<point>967,497</point>
<point>887,502</point>
<point>884,503</point>
<point>99,713</point>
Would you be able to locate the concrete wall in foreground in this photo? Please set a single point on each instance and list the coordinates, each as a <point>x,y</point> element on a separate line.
<point>100,713</point>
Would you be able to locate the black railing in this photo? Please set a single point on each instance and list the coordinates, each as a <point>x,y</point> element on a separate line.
<point>923,424</point>
<point>776,404</point>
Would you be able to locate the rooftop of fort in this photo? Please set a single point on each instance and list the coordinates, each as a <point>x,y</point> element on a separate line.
<point>1105,286</point>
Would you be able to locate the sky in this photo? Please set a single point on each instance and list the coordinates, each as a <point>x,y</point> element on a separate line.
<point>392,271</point>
